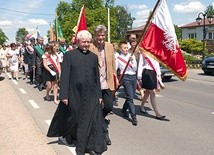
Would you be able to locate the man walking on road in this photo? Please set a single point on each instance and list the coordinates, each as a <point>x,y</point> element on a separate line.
<point>107,68</point>
<point>37,62</point>
<point>80,92</point>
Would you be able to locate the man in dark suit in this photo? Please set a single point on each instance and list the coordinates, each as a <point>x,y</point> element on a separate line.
<point>37,62</point>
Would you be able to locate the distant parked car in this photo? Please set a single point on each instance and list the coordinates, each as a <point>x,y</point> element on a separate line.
<point>208,65</point>
<point>165,73</point>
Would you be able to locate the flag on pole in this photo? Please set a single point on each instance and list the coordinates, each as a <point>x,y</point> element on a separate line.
<point>52,36</point>
<point>35,34</point>
<point>38,35</point>
<point>30,35</point>
<point>161,42</point>
<point>59,30</point>
<point>81,23</point>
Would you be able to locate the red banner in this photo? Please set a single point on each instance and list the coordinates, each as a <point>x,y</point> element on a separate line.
<point>160,41</point>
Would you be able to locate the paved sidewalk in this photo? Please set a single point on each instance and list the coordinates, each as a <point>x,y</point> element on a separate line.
<point>19,134</point>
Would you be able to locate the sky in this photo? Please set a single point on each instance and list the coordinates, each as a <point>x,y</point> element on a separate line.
<point>32,14</point>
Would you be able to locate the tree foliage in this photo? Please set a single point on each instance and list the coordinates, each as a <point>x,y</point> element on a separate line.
<point>96,13</point>
<point>3,37</point>
<point>178,32</point>
<point>20,35</point>
<point>124,21</point>
<point>210,10</point>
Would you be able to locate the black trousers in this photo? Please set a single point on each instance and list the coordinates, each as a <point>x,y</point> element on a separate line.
<point>107,97</point>
<point>40,74</point>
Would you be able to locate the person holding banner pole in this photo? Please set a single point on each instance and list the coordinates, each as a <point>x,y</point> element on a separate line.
<point>133,44</point>
<point>129,80</point>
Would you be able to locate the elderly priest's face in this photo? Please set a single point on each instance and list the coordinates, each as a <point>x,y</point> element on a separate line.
<point>84,43</point>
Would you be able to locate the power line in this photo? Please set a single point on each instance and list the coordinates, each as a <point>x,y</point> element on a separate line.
<point>12,14</point>
<point>44,14</point>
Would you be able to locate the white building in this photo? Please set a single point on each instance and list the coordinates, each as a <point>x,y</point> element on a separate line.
<point>194,30</point>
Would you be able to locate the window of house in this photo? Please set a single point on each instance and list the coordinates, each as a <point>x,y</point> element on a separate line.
<point>211,35</point>
<point>192,35</point>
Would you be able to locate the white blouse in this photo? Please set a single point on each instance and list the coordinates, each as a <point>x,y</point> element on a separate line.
<point>143,64</point>
<point>53,57</point>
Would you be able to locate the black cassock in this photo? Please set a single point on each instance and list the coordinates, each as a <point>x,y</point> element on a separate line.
<point>82,118</point>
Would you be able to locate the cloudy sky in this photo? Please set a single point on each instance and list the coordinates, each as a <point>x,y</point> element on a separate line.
<point>15,14</point>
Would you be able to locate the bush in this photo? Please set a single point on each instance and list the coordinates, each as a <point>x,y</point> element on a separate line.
<point>188,58</point>
<point>191,46</point>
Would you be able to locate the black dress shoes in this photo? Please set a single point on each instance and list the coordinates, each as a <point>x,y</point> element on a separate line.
<point>134,121</point>
<point>40,88</point>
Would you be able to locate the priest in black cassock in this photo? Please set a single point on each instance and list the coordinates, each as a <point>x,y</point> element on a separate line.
<point>79,112</point>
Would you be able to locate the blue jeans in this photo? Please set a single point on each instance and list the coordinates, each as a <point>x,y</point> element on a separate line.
<point>129,83</point>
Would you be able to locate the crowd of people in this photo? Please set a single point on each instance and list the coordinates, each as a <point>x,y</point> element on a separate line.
<point>87,76</point>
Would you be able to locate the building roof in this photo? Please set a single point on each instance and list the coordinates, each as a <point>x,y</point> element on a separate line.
<point>195,24</point>
<point>140,28</point>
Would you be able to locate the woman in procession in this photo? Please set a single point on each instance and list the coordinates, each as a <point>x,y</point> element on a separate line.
<point>13,58</point>
<point>52,70</point>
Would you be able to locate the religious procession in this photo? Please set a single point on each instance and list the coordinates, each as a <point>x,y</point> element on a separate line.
<point>85,74</point>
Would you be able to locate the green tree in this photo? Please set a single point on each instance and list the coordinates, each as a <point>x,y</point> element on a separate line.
<point>91,5</point>
<point>20,34</point>
<point>178,32</point>
<point>124,22</point>
<point>96,13</point>
<point>3,37</point>
<point>210,10</point>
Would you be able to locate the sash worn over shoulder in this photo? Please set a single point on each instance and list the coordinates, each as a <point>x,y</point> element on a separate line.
<point>62,49</point>
<point>124,61</point>
<point>41,52</point>
<point>159,80</point>
<point>52,62</point>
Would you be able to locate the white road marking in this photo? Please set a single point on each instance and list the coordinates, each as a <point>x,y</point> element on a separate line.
<point>48,122</point>
<point>34,105</point>
<point>22,91</point>
<point>72,149</point>
<point>15,82</point>
<point>158,95</point>
<point>212,113</point>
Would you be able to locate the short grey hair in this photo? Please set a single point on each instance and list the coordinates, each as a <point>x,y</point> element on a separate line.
<point>84,34</point>
<point>100,28</point>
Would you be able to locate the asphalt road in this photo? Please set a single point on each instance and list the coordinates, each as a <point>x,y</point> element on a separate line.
<point>188,105</point>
